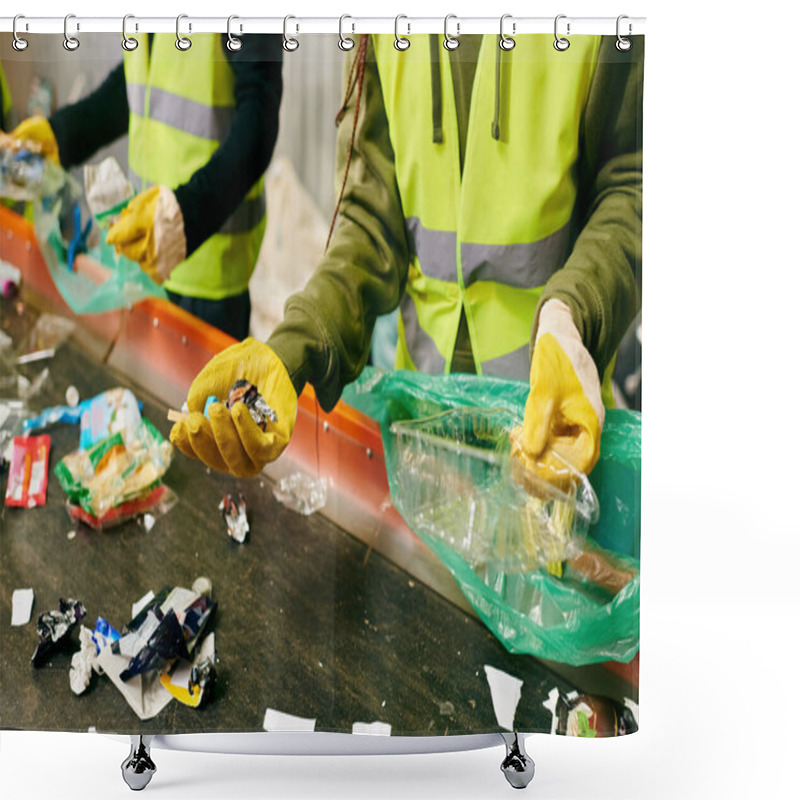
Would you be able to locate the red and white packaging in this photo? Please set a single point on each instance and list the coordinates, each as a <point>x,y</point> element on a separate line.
<point>27,474</point>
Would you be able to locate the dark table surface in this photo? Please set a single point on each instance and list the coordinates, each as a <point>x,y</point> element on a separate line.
<point>309,622</point>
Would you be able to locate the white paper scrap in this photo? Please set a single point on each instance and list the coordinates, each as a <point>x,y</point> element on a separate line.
<point>278,721</point>
<point>144,693</point>
<point>372,728</point>
<point>506,691</point>
<point>21,606</point>
<point>550,705</point>
<point>141,603</point>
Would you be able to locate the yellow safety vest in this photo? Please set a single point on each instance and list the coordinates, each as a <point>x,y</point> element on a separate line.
<point>181,105</point>
<point>5,98</point>
<point>485,238</point>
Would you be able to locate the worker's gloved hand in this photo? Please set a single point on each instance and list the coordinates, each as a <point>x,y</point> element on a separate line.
<point>564,414</point>
<point>37,129</point>
<point>150,231</point>
<point>230,441</point>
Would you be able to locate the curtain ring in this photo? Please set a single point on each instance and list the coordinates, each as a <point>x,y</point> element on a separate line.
<point>128,42</point>
<point>401,43</point>
<point>345,42</point>
<point>19,44</point>
<point>70,42</point>
<point>506,42</point>
<point>560,44</point>
<point>183,43</point>
<point>623,44</point>
<point>290,44</point>
<point>451,42</point>
<point>233,44</point>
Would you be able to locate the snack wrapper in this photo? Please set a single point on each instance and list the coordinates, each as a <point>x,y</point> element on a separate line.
<point>27,476</point>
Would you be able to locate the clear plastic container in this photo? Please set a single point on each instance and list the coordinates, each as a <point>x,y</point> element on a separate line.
<point>459,485</point>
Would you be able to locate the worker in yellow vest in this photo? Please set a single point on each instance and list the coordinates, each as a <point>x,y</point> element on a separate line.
<point>495,196</point>
<point>201,125</point>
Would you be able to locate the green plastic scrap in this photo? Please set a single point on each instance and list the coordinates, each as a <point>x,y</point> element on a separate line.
<point>127,283</point>
<point>560,619</point>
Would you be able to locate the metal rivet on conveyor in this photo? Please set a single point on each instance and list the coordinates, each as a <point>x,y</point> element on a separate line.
<point>155,322</point>
<point>325,426</point>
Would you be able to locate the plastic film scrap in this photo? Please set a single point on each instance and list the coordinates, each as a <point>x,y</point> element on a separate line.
<point>245,392</point>
<point>116,472</point>
<point>302,492</point>
<point>56,197</point>
<point>580,610</point>
<point>54,628</point>
<point>234,512</point>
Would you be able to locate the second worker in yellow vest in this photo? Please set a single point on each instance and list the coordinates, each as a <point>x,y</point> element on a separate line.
<point>496,198</point>
<point>201,125</point>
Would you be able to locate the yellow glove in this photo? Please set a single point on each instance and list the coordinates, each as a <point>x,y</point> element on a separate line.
<point>564,414</point>
<point>230,441</point>
<point>150,231</point>
<point>37,129</point>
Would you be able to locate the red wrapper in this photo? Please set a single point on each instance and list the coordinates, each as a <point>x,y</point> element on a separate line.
<point>27,475</point>
<point>120,513</point>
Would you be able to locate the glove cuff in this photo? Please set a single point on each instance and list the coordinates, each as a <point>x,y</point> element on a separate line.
<point>170,239</point>
<point>555,318</point>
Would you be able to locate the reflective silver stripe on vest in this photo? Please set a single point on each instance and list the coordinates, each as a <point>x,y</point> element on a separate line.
<point>523,266</point>
<point>249,213</point>
<point>435,250</point>
<point>136,94</point>
<point>189,116</point>
<point>516,364</point>
<point>421,347</point>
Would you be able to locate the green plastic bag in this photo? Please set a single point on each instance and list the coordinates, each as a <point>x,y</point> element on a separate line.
<point>561,619</point>
<point>126,284</point>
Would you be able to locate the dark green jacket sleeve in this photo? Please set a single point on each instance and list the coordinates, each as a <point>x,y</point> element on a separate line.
<point>325,335</point>
<point>601,279</point>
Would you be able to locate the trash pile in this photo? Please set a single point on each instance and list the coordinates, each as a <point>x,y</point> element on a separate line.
<point>24,172</point>
<point>164,652</point>
<point>116,472</point>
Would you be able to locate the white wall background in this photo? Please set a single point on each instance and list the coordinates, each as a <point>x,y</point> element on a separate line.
<point>720,603</point>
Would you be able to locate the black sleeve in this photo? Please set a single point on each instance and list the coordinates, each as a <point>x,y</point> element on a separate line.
<point>215,190</point>
<point>101,117</point>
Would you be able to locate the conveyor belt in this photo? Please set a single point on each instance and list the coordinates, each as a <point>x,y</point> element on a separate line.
<point>310,621</point>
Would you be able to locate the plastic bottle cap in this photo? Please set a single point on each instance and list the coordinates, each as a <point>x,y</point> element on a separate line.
<point>202,586</point>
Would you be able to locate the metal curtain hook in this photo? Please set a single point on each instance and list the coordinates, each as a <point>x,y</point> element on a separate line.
<point>401,42</point>
<point>345,42</point>
<point>623,44</point>
<point>506,42</point>
<point>70,42</point>
<point>290,44</point>
<point>182,42</point>
<point>19,44</point>
<point>128,42</point>
<point>233,44</point>
<point>451,42</point>
<point>560,43</point>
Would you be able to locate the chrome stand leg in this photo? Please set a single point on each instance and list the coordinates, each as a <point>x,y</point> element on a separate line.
<point>517,766</point>
<point>138,768</point>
